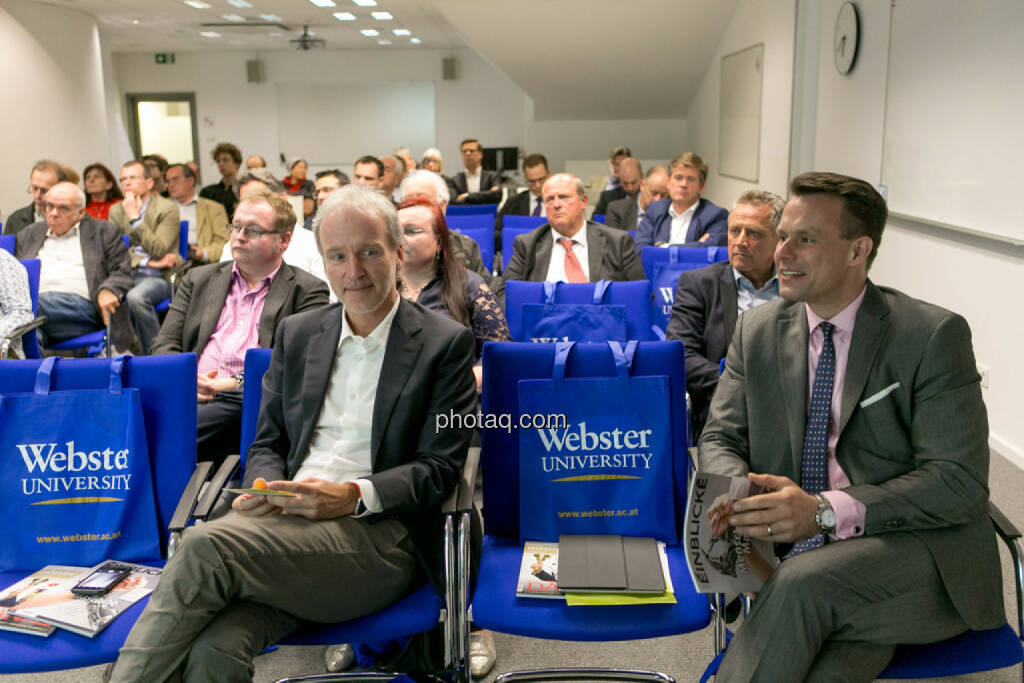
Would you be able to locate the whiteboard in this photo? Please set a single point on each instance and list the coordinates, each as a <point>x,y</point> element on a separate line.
<point>739,129</point>
<point>953,149</point>
<point>332,125</point>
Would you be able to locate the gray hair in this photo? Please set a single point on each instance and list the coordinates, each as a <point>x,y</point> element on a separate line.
<point>366,202</point>
<point>80,200</point>
<point>764,198</point>
<point>442,196</point>
<point>259,175</point>
<point>399,163</point>
<point>432,153</point>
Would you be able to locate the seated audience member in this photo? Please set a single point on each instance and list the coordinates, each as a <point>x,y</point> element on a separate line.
<point>428,185</point>
<point>45,174</point>
<point>890,515</point>
<point>326,182</point>
<point>228,158</point>
<point>631,174</point>
<point>15,301</point>
<point>709,300</point>
<point>101,189</point>
<point>222,310</point>
<point>153,225</point>
<point>432,277</point>
<point>364,456</point>
<point>207,220</point>
<point>405,155</point>
<point>627,213</point>
<point>528,202</point>
<point>394,171</point>
<point>569,248</point>
<point>255,161</point>
<point>367,172</point>
<point>685,217</point>
<point>615,158</point>
<point>474,185</point>
<point>156,167</point>
<point>433,161</point>
<point>85,270</point>
<point>296,181</point>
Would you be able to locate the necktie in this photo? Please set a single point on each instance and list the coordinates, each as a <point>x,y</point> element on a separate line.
<point>536,209</point>
<point>573,269</point>
<point>814,470</point>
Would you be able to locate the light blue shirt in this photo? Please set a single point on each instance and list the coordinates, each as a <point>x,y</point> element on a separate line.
<point>748,296</point>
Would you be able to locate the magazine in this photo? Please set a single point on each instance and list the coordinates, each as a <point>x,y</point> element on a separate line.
<point>719,559</point>
<point>50,578</point>
<point>89,615</point>
<point>538,574</point>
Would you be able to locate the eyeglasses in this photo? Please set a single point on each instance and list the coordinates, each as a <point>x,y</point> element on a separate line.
<point>251,233</point>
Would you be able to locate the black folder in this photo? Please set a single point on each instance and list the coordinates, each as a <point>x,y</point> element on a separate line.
<point>604,563</point>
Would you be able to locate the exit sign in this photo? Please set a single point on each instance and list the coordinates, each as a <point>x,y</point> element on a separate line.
<point>164,58</point>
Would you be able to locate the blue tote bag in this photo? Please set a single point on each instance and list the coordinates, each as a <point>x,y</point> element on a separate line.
<point>666,274</point>
<point>608,468</point>
<point>75,472</point>
<point>598,322</point>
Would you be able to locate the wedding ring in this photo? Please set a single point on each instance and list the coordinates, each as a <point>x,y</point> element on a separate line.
<point>769,529</point>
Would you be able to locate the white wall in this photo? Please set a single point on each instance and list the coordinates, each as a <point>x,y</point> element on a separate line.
<point>972,276</point>
<point>55,104</point>
<point>770,22</point>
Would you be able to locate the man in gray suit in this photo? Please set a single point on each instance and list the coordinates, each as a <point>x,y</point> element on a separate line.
<point>84,274</point>
<point>569,248</point>
<point>347,423</point>
<point>223,309</point>
<point>628,212</point>
<point>861,410</point>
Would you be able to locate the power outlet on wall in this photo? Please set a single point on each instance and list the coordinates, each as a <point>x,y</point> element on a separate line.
<point>985,373</point>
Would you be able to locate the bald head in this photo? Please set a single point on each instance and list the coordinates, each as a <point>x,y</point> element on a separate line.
<point>630,175</point>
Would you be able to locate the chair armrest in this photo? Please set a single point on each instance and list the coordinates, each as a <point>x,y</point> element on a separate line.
<point>461,499</point>
<point>17,332</point>
<point>182,513</point>
<point>1004,527</point>
<point>213,489</point>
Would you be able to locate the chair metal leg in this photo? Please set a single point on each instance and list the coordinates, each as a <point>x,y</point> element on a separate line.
<point>350,676</point>
<point>456,630</point>
<point>584,673</point>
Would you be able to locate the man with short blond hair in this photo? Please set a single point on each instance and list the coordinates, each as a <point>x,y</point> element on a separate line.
<point>685,217</point>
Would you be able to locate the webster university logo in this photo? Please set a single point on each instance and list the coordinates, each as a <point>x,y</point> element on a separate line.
<point>577,448</point>
<point>63,468</point>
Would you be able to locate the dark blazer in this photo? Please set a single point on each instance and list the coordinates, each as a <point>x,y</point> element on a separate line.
<point>607,197</point>
<point>703,318</point>
<point>708,219</point>
<point>488,179</point>
<point>19,219</point>
<point>427,372</point>
<point>106,266</point>
<point>913,433</point>
<point>467,252</point>
<point>198,303</point>
<point>516,205</point>
<point>610,256</point>
<point>622,213</point>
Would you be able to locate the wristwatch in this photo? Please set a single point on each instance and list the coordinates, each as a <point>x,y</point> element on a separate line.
<point>825,516</point>
<point>360,508</point>
<point>240,378</point>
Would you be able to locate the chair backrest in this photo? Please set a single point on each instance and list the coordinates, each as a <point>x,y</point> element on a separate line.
<point>167,387</point>
<point>528,222</point>
<point>634,295</point>
<point>7,243</point>
<point>127,241</point>
<point>690,258</point>
<point>256,363</point>
<point>483,235</point>
<point>472,209</point>
<point>598,218</point>
<point>183,240</point>
<point>506,363</point>
<point>29,341</point>
<point>508,238</point>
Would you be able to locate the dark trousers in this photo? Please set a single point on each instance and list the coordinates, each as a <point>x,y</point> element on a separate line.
<point>219,427</point>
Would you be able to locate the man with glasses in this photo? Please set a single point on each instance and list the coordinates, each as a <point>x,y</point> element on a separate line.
<point>206,218</point>
<point>223,309</point>
<point>475,185</point>
<point>528,202</point>
<point>84,269</point>
<point>45,174</point>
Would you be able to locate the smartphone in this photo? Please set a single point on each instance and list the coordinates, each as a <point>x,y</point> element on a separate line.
<point>105,577</point>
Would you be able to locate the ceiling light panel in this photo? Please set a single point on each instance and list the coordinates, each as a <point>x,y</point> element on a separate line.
<point>198,4</point>
<point>344,16</point>
<point>233,17</point>
<point>324,3</point>
<point>242,4</point>
<point>382,16</point>
<point>209,34</point>
<point>366,3</point>
<point>272,18</point>
<point>402,32</point>
<point>370,32</point>
<point>415,41</point>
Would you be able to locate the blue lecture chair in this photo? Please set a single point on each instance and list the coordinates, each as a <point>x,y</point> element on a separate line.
<point>168,392</point>
<point>183,252</point>
<point>689,258</point>
<point>29,342</point>
<point>7,243</point>
<point>494,603</point>
<point>634,295</point>
<point>529,222</point>
<point>472,209</point>
<point>481,232</point>
<point>508,238</point>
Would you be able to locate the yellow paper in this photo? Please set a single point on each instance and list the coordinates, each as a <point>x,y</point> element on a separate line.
<point>598,599</point>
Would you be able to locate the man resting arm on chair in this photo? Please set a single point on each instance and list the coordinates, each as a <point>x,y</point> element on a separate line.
<point>347,422</point>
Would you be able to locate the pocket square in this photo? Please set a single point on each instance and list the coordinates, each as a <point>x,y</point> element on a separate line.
<point>880,395</point>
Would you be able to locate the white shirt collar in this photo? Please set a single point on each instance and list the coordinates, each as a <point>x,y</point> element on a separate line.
<point>73,232</point>
<point>672,210</point>
<point>579,238</point>
<point>379,334</point>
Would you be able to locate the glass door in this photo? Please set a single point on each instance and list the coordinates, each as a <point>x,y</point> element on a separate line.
<point>165,124</point>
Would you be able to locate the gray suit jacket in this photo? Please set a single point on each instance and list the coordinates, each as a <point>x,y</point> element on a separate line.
<point>913,432</point>
<point>427,371</point>
<point>198,303</point>
<point>610,255</point>
<point>106,266</point>
<point>22,218</point>
<point>622,213</point>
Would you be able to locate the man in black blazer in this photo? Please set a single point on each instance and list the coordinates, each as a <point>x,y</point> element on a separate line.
<point>475,185</point>
<point>709,300</point>
<point>45,174</point>
<point>528,202</point>
<point>85,271</point>
<point>627,213</point>
<point>243,299</point>
<point>631,174</point>
<point>347,422</point>
<point>685,217</point>
<point>599,253</point>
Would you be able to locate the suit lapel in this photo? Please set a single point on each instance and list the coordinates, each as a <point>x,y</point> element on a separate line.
<point>277,296</point>
<point>727,300</point>
<point>542,256</point>
<point>217,294</point>
<point>34,242</point>
<point>92,254</point>
<point>791,347</point>
<point>317,375</point>
<point>869,330</point>
<point>596,247</point>
<point>400,354</point>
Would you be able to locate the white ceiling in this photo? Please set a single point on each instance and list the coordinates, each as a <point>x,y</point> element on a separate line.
<point>577,59</point>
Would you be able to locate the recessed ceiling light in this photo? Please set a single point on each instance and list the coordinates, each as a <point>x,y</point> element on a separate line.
<point>382,16</point>
<point>383,42</point>
<point>198,4</point>
<point>273,18</point>
<point>233,17</point>
<point>366,3</point>
<point>370,32</point>
<point>415,41</point>
<point>344,16</point>
<point>209,34</point>
<point>402,32</point>
<point>323,3</point>
<point>135,21</point>
<point>240,3</point>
